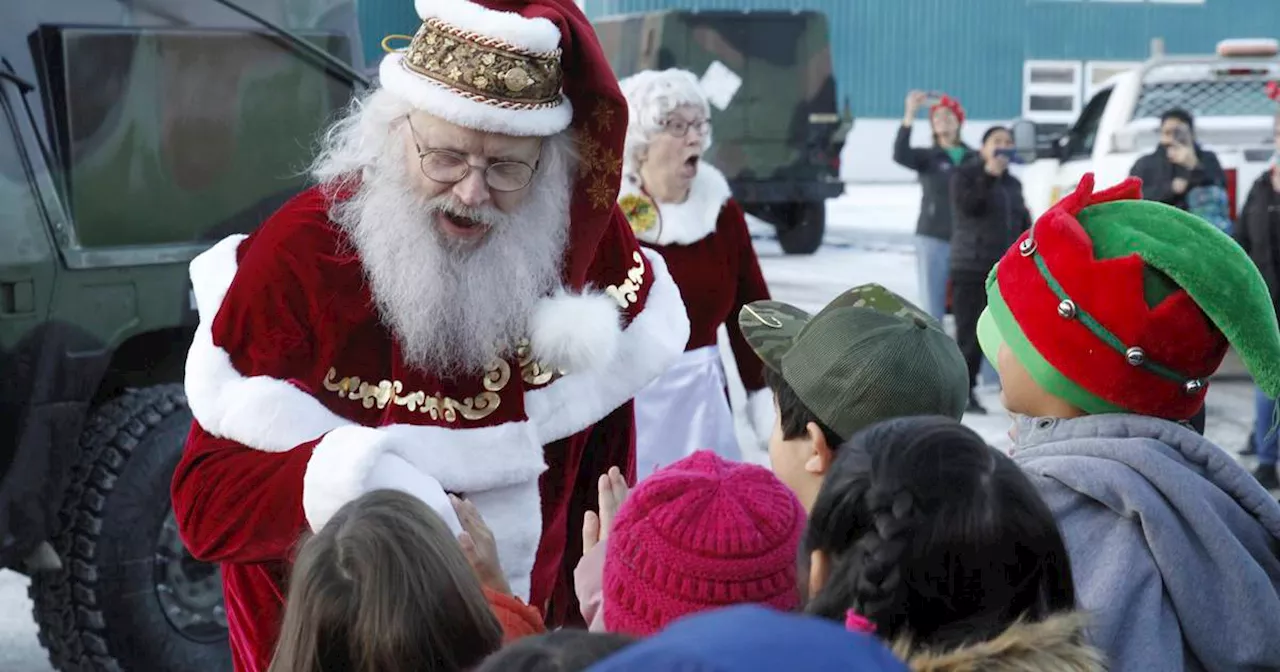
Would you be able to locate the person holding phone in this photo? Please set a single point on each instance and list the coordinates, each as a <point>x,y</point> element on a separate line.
<point>1178,165</point>
<point>1177,169</point>
<point>934,165</point>
<point>990,214</point>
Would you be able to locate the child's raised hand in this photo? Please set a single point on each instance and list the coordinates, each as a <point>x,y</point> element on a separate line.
<point>479,546</point>
<point>613,491</point>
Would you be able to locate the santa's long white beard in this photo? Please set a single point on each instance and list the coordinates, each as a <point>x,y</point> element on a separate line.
<point>454,308</point>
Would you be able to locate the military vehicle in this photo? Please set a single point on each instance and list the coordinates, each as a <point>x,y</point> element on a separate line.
<point>133,135</point>
<point>778,140</point>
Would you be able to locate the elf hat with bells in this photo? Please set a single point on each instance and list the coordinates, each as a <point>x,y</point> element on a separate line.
<point>1119,305</point>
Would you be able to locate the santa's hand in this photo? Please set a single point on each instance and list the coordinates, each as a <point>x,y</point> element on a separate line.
<point>612,490</point>
<point>762,415</point>
<point>479,546</point>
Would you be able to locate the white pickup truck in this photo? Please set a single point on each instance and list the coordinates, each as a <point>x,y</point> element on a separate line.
<point>1225,92</point>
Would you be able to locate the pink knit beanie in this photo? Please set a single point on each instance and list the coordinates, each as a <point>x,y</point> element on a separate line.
<point>698,534</point>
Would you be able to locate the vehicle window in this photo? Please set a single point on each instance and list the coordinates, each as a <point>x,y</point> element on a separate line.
<point>1081,137</point>
<point>182,136</point>
<point>1245,96</point>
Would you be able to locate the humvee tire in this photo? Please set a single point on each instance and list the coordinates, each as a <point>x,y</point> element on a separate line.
<point>806,223</point>
<point>129,596</point>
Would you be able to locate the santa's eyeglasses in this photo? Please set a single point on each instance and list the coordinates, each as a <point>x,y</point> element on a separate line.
<point>450,167</point>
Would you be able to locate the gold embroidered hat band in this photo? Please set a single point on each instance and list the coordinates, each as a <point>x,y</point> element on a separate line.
<point>481,68</point>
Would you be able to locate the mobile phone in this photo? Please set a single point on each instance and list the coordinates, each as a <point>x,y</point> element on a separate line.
<point>1011,154</point>
<point>1182,136</point>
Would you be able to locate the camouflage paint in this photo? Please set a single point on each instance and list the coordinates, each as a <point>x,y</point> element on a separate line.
<point>781,134</point>
<point>154,128</point>
<point>773,327</point>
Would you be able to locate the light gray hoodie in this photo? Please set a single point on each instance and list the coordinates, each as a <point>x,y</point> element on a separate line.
<point>1173,544</point>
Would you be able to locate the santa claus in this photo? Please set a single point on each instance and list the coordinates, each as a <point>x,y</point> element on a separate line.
<point>459,306</point>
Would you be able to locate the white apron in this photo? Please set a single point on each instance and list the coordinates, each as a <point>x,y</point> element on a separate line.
<point>683,411</point>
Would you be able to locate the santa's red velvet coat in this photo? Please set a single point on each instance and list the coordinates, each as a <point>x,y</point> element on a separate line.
<point>709,253</point>
<point>291,372</point>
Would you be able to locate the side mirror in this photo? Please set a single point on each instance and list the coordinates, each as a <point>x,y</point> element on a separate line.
<point>1026,139</point>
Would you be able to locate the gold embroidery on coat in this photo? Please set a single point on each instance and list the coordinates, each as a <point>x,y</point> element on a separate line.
<point>532,371</point>
<point>628,292</point>
<point>387,392</point>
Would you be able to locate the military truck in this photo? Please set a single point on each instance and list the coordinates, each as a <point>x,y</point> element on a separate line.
<point>133,135</point>
<point>779,137</point>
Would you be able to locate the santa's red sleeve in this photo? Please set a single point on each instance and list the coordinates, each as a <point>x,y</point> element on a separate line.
<point>234,503</point>
<point>751,287</point>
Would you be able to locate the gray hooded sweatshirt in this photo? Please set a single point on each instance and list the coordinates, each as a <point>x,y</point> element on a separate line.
<point>1174,546</point>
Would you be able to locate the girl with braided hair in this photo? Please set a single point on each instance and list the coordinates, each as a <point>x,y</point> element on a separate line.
<point>940,545</point>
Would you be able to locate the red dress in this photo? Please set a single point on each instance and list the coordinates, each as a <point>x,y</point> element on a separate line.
<point>302,403</point>
<point>707,247</point>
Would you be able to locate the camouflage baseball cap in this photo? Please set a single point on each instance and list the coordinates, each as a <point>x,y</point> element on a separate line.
<point>869,355</point>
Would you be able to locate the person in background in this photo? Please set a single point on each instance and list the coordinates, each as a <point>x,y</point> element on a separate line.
<point>681,206</point>
<point>1106,322</point>
<point>559,651</point>
<point>699,534</point>
<point>990,215</point>
<point>1178,164</point>
<point>934,166</point>
<point>384,587</point>
<point>1177,168</point>
<point>937,543</point>
<point>869,355</point>
<point>1258,232</point>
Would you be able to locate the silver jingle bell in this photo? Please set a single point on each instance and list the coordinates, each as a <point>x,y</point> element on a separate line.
<point>1027,247</point>
<point>1193,386</point>
<point>1067,309</point>
<point>1136,356</point>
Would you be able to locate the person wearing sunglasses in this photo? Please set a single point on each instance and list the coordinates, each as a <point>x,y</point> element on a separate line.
<point>681,206</point>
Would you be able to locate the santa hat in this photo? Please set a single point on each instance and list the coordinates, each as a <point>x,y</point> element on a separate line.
<point>1115,304</point>
<point>524,68</point>
<point>948,103</point>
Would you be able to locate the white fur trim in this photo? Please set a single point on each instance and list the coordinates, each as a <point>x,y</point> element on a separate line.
<point>649,345</point>
<point>487,464</point>
<point>434,98</point>
<point>265,413</point>
<point>762,414</point>
<point>694,219</point>
<point>534,34</point>
<point>353,460</point>
<point>576,332</point>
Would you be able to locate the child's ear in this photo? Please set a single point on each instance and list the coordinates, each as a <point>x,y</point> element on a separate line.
<point>821,454</point>
<point>818,570</point>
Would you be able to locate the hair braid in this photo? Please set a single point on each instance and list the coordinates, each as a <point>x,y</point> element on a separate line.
<point>877,557</point>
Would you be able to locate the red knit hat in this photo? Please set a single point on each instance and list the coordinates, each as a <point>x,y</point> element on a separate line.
<point>948,103</point>
<point>701,533</point>
<point>527,68</point>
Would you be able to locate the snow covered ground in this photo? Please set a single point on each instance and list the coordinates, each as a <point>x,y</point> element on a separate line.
<point>869,239</point>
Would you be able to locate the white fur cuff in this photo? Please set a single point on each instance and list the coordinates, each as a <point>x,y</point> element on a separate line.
<point>576,332</point>
<point>352,460</point>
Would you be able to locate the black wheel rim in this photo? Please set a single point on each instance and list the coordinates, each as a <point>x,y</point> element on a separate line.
<point>189,591</point>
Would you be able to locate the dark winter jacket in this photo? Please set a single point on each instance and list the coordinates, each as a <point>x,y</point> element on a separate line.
<point>934,166</point>
<point>989,216</point>
<point>1258,232</point>
<point>1157,174</point>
